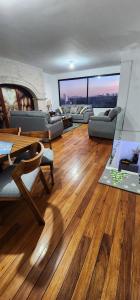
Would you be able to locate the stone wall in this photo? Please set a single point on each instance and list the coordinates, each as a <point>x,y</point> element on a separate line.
<point>30,77</point>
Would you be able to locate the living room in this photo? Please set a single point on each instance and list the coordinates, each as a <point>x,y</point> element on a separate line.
<point>69,150</point>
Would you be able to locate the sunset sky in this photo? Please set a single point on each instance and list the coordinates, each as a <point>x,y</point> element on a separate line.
<point>97,86</point>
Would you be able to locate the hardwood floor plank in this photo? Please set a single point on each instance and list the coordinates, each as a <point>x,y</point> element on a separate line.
<point>135,266</point>
<point>124,282</point>
<point>111,280</point>
<point>71,278</point>
<point>99,273</point>
<point>90,261</point>
<point>110,227</point>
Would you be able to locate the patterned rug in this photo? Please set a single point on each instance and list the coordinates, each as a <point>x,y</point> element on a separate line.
<point>75,125</point>
<point>124,180</point>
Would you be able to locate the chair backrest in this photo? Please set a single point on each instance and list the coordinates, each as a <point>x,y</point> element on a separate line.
<point>26,182</point>
<point>43,135</point>
<point>11,130</point>
<point>27,166</point>
<point>114,112</point>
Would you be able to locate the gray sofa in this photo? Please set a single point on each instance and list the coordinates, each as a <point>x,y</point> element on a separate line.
<point>74,112</point>
<point>103,126</point>
<point>37,120</point>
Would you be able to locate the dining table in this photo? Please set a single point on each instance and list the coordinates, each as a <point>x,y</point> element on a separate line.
<point>20,144</point>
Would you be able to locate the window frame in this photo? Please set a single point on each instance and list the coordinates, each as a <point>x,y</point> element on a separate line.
<point>84,77</point>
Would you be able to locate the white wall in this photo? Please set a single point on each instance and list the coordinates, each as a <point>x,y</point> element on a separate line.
<point>51,81</point>
<point>127,134</point>
<point>14,72</point>
<point>128,124</point>
<point>50,87</point>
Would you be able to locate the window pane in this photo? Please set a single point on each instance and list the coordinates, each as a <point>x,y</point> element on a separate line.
<point>73,91</point>
<point>103,91</point>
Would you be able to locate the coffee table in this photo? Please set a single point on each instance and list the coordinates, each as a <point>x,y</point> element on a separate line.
<point>67,121</point>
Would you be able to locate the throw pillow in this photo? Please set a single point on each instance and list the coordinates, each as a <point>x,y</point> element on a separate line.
<point>107,112</point>
<point>113,113</point>
<point>83,110</point>
<point>61,110</point>
<point>79,108</point>
<point>73,109</point>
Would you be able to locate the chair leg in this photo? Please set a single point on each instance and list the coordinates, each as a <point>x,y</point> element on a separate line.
<point>42,178</point>
<point>51,171</point>
<point>34,208</point>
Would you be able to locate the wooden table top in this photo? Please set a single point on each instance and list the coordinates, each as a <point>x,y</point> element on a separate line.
<point>21,143</point>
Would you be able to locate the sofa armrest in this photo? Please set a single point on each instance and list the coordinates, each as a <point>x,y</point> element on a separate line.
<point>56,129</point>
<point>100,118</point>
<point>87,114</point>
<point>87,111</point>
<point>54,119</point>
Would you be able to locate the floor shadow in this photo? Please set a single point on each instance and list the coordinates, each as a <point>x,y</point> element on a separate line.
<point>21,235</point>
<point>47,249</point>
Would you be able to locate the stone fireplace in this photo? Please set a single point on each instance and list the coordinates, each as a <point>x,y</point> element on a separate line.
<point>23,77</point>
<point>14,97</point>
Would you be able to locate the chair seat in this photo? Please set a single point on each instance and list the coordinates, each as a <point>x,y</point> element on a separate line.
<point>47,156</point>
<point>8,187</point>
<point>46,159</point>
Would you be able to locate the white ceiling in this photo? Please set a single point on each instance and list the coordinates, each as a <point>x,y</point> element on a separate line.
<point>51,33</point>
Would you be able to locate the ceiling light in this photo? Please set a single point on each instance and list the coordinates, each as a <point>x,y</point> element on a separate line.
<point>71,65</point>
<point>99,77</point>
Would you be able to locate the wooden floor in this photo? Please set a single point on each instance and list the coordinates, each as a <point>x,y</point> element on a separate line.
<point>90,245</point>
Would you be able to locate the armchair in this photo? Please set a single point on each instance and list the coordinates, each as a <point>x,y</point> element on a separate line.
<point>103,126</point>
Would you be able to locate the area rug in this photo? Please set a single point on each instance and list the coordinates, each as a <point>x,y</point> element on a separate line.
<point>124,180</point>
<point>74,125</point>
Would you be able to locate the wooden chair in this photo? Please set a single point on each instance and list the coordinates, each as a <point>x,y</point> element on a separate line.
<point>48,156</point>
<point>16,183</point>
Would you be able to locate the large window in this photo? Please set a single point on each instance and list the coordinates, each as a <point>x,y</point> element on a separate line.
<point>99,91</point>
<point>103,91</point>
<point>73,91</point>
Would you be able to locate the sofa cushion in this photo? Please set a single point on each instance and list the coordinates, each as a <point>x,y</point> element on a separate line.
<point>8,187</point>
<point>61,110</point>
<point>73,109</point>
<point>79,108</point>
<point>77,116</point>
<point>106,113</point>
<point>66,109</point>
<point>83,109</point>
